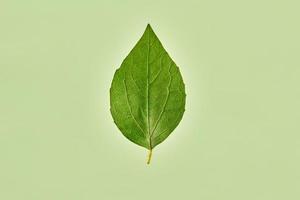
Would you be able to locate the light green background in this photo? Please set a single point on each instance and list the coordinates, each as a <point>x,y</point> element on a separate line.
<point>239,138</point>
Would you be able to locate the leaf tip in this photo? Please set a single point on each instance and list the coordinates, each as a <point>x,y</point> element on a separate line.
<point>148,26</point>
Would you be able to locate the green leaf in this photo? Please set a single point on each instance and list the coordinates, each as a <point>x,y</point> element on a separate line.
<point>147,94</point>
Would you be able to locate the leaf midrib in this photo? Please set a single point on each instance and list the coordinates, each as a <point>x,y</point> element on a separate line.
<point>148,119</point>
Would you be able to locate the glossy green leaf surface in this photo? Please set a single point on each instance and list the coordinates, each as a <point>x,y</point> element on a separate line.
<point>147,95</point>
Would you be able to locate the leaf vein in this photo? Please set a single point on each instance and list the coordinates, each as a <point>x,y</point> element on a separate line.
<point>148,93</point>
<point>160,69</point>
<point>164,106</point>
<point>130,109</point>
<point>178,116</point>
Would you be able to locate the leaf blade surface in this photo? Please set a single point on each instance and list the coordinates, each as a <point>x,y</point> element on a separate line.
<point>147,95</point>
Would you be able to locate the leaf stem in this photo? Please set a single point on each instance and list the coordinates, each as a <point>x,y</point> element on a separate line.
<point>149,156</point>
